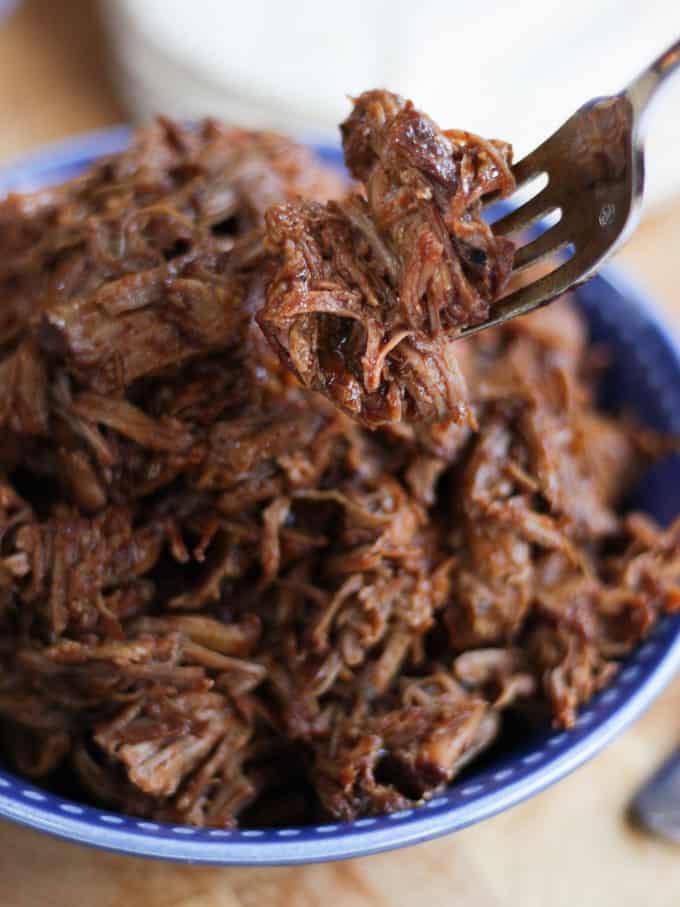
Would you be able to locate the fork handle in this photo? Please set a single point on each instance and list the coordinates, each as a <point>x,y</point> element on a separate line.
<point>643,88</point>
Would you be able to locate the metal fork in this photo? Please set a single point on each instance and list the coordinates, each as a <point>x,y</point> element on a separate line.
<point>595,169</point>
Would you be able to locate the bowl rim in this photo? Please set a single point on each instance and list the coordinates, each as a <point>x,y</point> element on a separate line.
<point>491,792</point>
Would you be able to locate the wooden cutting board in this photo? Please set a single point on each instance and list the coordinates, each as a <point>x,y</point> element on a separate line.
<point>569,846</point>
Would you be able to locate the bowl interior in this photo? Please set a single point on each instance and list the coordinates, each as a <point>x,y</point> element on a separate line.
<point>644,378</point>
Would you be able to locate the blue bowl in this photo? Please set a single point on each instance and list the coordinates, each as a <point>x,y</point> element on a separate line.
<point>645,376</point>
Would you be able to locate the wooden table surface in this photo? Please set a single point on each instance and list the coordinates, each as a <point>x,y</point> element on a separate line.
<point>568,846</point>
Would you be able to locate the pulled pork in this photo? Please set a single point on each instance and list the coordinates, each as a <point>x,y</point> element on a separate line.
<point>222,599</point>
<point>372,290</point>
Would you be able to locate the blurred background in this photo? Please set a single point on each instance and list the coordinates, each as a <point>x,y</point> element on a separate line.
<point>510,70</point>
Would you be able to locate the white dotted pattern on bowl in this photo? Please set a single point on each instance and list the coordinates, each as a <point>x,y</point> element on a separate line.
<point>71,808</point>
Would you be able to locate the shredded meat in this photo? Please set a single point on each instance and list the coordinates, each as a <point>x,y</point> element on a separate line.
<point>372,290</point>
<point>223,600</point>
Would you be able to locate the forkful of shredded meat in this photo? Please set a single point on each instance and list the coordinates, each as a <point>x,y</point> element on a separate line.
<point>371,291</point>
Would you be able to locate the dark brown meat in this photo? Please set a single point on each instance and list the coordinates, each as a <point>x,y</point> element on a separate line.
<point>371,291</point>
<point>149,262</point>
<point>139,324</point>
<point>154,244</point>
<point>224,601</point>
<point>391,759</point>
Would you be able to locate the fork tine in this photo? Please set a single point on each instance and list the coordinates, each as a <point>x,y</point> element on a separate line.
<point>532,296</point>
<point>536,208</point>
<point>551,241</point>
<point>526,169</point>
